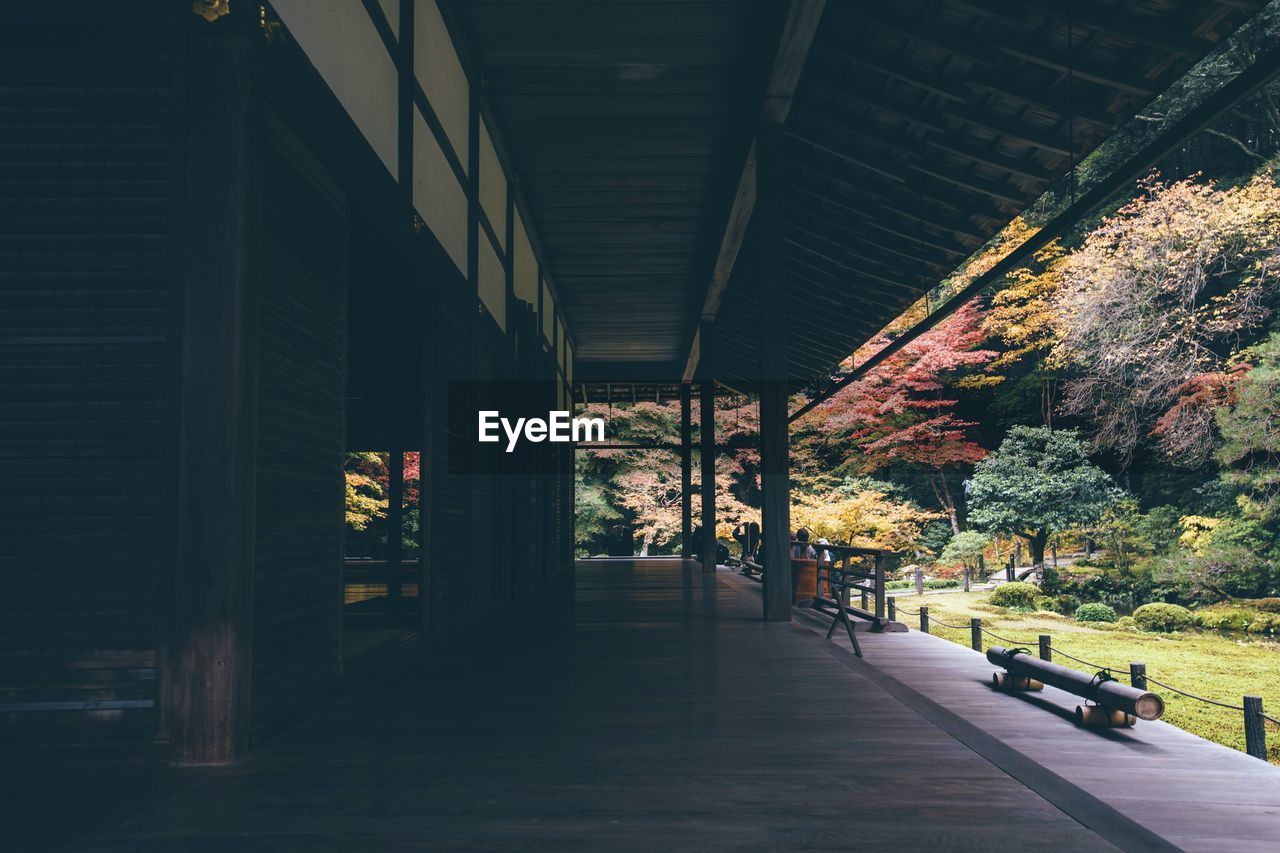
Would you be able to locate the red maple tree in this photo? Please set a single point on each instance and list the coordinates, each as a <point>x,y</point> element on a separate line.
<point>900,412</point>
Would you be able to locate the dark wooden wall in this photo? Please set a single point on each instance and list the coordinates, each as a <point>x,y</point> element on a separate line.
<point>88,185</point>
<point>301,405</point>
<point>135,193</point>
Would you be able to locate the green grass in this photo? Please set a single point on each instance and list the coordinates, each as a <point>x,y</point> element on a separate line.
<point>1207,663</point>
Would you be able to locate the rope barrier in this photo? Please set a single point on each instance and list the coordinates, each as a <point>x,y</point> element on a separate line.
<point>1089,663</point>
<point>1194,696</point>
<point>1003,639</point>
<point>1098,667</point>
<point>1256,747</point>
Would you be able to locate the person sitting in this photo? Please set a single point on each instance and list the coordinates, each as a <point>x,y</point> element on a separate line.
<point>740,536</point>
<point>802,550</point>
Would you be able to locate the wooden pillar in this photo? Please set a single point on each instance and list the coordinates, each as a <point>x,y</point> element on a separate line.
<point>207,650</point>
<point>772,331</point>
<point>686,471</point>
<point>707,436</point>
<point>395,522</point>
<point>433,454</point>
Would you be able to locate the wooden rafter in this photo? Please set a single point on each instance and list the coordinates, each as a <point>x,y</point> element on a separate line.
<point>793,49</point>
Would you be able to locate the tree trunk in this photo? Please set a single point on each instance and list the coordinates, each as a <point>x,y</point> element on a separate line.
<point>1037,544</point>
<point>1047,394</point>
<point>966,578</point>
<point>644,545</point>
<point>943,494</point>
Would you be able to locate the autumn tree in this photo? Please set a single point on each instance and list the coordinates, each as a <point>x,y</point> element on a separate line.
<point>902,411</point>
<point>641,486</point>
<point>1154,303</point>
<point>1023,318</point>
<point>860,512</point>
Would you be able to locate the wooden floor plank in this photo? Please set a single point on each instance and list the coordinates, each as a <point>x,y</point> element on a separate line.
<point>669,717</point>
<point>1195,794</point>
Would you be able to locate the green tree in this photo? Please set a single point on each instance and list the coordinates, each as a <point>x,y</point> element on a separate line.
<point>1038,483</point>
<point>1250,429</point>
<point>966,548</point>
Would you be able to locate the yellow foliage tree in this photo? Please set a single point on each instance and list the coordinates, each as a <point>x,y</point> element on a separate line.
<point>863,517</point>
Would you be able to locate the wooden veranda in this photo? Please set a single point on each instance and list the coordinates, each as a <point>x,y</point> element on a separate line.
<point>669,716</point>
<point>242,241</point>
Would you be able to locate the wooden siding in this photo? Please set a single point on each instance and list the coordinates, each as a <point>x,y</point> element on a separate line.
<point>87,184</point>
<point>301,393</point>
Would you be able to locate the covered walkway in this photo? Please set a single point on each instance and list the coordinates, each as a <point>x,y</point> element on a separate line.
<point>668,716</point>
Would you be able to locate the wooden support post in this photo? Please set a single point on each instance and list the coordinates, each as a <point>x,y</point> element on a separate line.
<point>882,569</point>
<point>1255,728</point>
<point>975,633</point>
<point>686,471</point>
<point>1046,651</point>
<point>431,486</point>
<point>707,434</point>
<point>1138,674</point>
<point>893,608</point>
<point>207,653</point>
<point>395,524</point>
<point>772,333</point>
<point>863,596</point>
<point>924,618</point>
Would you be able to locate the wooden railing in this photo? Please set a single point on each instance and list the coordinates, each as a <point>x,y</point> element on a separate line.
<point>846,573</point>
<point>852,569</point>
<point>380,593</point>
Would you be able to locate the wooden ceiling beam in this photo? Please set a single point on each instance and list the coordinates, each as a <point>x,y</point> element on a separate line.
<point>910,27</point>
<point>970,205</point>
<point>818,277</point>
<point>857,245</point>
<point>1114,20</point>
<point>919,146</point>
<point>784,77</point>
<point>937,119</point>
<point>875,202</point>
<point>978,79</point>
<point>1040,97</point>
<point>903,246</point>
<point>891,283</point>
<point>876,220</point>
<point>1121,81</point>
<point>942,87</point>
<point>982,50</point>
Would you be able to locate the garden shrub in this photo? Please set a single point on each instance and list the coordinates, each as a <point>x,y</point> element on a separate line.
<point>895,585</point>
<point>1225,617</point>
<point>1015,594</point>
<point>1095,611</point>
<point>1238,616</point>
<point>1266,605</point>
<point>941,583</point>
<point>1061,603</point>
<point>1265,623</point>
<point>1125,623</point>
<point>1163,618</point>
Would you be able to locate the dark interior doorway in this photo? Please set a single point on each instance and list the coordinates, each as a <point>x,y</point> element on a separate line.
<point>386,391</point>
